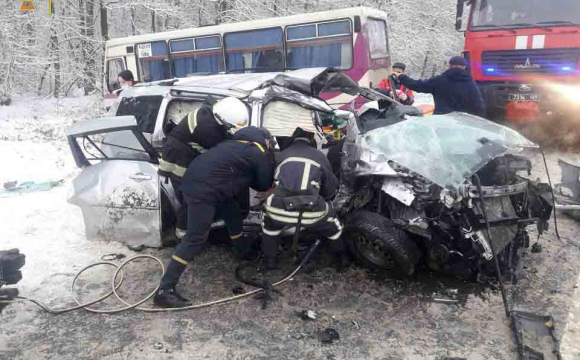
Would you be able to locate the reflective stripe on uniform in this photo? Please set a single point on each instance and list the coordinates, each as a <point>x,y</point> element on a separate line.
<point>235,237</point>
<point>255,143</point>
<point>197,147</point>
<point>259,147</point>
<point>306,161</point>
<point>293,220</point>
<point>306,215</point>
<point>270,232</point>
<point>335,237</point>
<point>338,226</point>
<point>172,168</point>
<point>179,260</point>
<point>192,121</point>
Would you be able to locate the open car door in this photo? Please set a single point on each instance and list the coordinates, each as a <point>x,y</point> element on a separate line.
<point>118,189</point>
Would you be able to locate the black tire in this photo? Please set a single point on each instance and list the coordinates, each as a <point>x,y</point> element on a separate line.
<point>378,245</point>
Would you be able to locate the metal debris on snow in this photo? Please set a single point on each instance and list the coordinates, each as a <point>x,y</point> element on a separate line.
<point>445,301</point>
<point>111,257</point>
<point>356,324</point>
<point>158,346</point>
<point>137,248</point>
<point>238,290</point>
<point>328,336</point>
<point>307,315</point>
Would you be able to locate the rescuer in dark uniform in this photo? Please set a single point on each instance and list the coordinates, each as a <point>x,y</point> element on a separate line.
<point>209,186</point>
<point>304,175</point>
<point>199,131</point>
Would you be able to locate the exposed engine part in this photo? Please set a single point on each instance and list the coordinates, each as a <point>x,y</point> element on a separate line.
<point>502,217</point>
<point>440,254</point>
<point>479,239</point>
<point>396,188</point>
<point>470,191</point>
<point>504,170</point>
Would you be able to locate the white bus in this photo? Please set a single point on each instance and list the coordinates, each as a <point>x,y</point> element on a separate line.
<point>354,40</point>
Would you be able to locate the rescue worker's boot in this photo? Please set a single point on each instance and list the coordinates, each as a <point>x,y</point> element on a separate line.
<point>270,250</point>
<point>170,298</point>
<point>167,296</point>
<point>340,258</point>
<point>242,248</point>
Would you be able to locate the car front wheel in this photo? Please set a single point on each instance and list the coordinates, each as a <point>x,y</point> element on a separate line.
<point>379,245</point>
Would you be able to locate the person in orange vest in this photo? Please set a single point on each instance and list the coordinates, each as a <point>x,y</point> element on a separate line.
<point>404,95</point>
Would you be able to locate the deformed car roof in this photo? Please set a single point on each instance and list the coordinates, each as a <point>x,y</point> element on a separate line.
<point>307,81</point>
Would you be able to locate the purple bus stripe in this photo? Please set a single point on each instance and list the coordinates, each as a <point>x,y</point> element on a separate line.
<point>360,65</point>
<point>361,58</point>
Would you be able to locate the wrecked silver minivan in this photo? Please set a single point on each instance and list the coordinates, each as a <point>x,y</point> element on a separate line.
<point>414,190</point>
<point>119,191</point>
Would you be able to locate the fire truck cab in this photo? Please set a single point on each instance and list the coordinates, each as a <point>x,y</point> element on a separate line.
<point>523,54</point>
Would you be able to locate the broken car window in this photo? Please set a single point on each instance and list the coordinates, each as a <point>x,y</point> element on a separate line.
<point>112,146</point>
<point>144,108</point>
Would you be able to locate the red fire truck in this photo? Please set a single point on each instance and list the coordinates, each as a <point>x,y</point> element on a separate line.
<point>524,55</point>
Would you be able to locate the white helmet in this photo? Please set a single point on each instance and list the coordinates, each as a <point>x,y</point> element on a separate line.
<point>231,112</point>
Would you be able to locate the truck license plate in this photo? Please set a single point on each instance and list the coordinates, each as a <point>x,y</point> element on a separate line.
<point>525,97</point>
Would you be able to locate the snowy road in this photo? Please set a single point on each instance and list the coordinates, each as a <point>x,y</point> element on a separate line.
<point>376,318</point>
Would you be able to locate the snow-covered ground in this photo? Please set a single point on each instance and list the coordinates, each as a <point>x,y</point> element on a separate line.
<point>50,231</point>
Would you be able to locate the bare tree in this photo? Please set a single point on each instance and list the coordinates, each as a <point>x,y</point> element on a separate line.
<point>50,55</point>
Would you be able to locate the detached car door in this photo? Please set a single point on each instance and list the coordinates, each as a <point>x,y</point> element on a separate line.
<point>118,189</point>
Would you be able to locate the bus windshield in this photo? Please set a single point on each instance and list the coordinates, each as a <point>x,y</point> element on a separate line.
<point>524,13</point>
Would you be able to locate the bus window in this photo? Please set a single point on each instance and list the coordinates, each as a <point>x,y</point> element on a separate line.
<point>151,61</point>
<point>320,45</point>
<point>377,35</point>
<point>192,56</point>
<point>114,67</point>
<point>255,49</point>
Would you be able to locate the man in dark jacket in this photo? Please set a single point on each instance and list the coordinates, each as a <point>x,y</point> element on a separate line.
<point>303,175</point>
<point>200,130</point>
<point>454,90</point>
<point>210,185</point>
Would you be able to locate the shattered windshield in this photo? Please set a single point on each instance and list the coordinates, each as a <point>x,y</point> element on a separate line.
<point>445,149</point>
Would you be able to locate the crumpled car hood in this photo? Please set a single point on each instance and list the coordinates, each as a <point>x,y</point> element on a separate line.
<point>445,149</point>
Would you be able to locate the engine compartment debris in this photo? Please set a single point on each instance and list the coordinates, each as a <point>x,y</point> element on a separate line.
<point>535,336</point>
